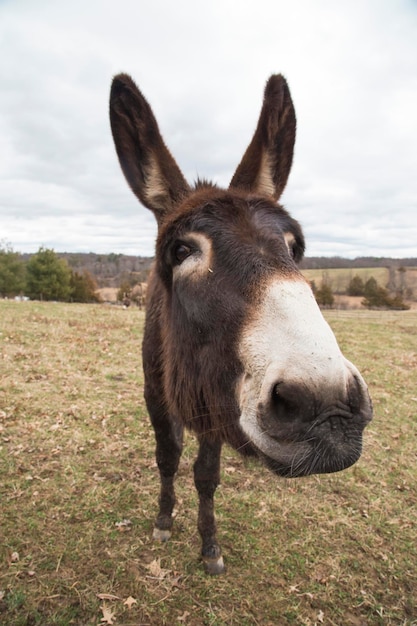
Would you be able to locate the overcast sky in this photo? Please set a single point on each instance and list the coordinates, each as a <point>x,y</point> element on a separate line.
<point>351,66</point>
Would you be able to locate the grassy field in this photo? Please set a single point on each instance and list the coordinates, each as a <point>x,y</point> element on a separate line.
<point>78,491</point>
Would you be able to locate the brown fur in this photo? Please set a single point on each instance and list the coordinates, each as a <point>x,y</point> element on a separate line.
<point>194,320</point>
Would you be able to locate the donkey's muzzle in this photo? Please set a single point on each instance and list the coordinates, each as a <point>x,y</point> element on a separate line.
<point>302,428</point>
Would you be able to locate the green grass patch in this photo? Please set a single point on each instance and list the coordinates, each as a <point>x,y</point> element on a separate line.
<point>79,487</point>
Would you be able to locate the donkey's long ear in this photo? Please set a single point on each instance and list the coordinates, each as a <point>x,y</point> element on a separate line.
<point>147,164</point>
<point>266,164</point>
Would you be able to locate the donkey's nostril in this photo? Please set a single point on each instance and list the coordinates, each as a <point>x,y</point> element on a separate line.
<point>288,401</point>
<point>284,398</point>
<point>278,405</point>
<point>283,409</point>
<point>276,391</point>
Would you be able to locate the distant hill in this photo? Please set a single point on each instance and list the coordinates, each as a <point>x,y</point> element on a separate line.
<point>111,270</point>
<point>334,262</point>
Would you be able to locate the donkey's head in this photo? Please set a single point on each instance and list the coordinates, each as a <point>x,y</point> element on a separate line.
<point>245,348</point>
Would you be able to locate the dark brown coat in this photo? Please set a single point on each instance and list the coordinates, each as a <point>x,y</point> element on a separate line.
<point>235,348</point>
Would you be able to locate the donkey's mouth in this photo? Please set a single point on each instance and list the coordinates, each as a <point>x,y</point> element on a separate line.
<point>329,443</point>
<point>315,457</point>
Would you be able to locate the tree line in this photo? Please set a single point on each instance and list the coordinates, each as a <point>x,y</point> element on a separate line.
<point>44,276</point>
<point>47,276</point>
<point>374,295</point>
<point>337,262</point>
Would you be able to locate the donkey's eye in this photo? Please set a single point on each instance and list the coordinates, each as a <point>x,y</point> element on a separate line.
<point>181,252</point>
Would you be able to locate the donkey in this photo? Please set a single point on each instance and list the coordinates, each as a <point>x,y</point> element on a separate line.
<point>235,347</point>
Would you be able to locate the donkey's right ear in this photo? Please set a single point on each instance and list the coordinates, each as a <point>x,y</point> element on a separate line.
<point>147,164</point>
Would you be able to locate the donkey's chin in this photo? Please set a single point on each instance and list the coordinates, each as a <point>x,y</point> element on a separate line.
<point>318,459</point>
<point>317,455</point>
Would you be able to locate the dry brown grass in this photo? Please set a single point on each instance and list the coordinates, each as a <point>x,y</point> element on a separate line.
<point>78,490</point>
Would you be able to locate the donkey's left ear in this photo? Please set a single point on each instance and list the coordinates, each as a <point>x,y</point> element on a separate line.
<point>266,164</point>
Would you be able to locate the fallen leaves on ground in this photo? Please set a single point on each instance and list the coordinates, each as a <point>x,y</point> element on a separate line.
<point>156,571</point>
<point>124,526</point>
<point>107,596</point>
<point>183,617</point>
<point>129,602</point>
<point>108,615</point>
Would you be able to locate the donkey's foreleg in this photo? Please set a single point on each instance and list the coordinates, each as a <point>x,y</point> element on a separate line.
<point>169,439</point>
<point>206,478</point>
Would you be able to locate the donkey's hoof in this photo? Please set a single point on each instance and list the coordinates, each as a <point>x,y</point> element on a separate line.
<point>214,566</point>
<point>161,535</point>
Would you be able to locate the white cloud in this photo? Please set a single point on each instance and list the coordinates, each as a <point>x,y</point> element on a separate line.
<point>352,70</point>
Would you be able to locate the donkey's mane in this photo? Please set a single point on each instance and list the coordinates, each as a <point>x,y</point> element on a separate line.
<point>204,183</point>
